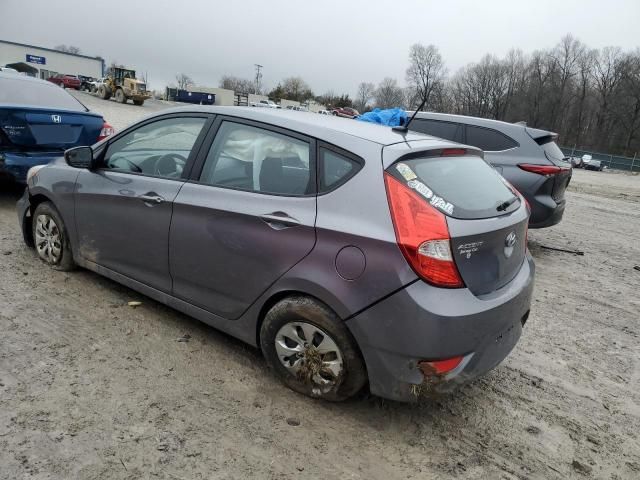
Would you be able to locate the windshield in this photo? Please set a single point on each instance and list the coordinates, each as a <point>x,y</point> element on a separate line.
<point>461,187</point>
<point>20,91</point>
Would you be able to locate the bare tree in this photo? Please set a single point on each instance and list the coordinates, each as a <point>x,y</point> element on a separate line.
<point>607,73</point>
<point>239,85</point>
<point>365,94</point>
<point>183,81</point>
<point>389,94</point>
<point>426,71</point>
<point>295,88</point>
<point>67,49</point>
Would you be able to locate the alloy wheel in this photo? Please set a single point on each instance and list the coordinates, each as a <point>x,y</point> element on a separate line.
<point>48,239</point>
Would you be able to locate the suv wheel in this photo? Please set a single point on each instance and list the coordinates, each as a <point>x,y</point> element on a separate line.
<point>50,238</point>
<point>311,350</point>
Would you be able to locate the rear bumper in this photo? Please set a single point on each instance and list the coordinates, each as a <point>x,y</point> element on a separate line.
<point>545,211</point>
<point>421,322</point>
<point>15,165</point>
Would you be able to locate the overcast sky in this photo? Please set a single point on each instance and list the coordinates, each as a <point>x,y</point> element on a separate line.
<point>332,44</point>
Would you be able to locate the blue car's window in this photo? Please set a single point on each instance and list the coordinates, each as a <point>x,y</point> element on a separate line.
<point>21,91</point>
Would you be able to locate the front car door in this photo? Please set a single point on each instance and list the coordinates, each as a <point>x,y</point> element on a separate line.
<point>123,209</point>
<point>247,216</point>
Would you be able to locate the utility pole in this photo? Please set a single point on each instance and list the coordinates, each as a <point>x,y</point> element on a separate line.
<point>258,77</point>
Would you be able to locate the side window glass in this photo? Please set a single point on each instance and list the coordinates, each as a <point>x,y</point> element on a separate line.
<point>488,139</point>
<point>437,128</point>
<point>249,158</point>
<point>335,169</point>
<point>158,149</point>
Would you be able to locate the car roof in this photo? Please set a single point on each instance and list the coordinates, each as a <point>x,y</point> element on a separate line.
<point>311,124</point>
<point>25,78</point>
<point>468,120</point>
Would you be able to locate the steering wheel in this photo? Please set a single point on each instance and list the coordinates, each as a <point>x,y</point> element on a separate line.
<point>169,165</point>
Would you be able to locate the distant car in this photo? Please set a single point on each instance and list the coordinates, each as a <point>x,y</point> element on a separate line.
<point>264,104</point>
<point>324,112</point>
<point>95,84</point>
<point>38,121</point>
<point>526,157</point>
<point>86,82</point>
<point>345,112</point>
<point>66,81</point>
<point>351,254</point>
<point>576,162</point>
<point>589,163</point>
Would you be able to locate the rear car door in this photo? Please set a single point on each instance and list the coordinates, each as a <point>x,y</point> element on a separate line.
<point>123,209</point>
<point>246,217</point>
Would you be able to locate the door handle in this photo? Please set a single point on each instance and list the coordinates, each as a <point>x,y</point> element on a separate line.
<point>151,198</point>
<point>279,220</point>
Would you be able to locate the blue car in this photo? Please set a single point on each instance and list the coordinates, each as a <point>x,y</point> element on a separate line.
<point>38,122</point>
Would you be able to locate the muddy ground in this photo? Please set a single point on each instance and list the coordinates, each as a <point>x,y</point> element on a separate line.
<point>91,388</point>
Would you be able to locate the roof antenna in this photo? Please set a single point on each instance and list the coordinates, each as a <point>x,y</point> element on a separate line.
<point>405,128</point>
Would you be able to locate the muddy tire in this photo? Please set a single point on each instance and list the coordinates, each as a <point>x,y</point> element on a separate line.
<point>120,96</point>
<point>311,350</point>
<point>50,238</point>
<point>138,102</point>
<point>104,92</point>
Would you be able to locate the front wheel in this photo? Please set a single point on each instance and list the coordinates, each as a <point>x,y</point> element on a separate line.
<point>311,350</point>
<point>120,96</point>
<point>50,238</point>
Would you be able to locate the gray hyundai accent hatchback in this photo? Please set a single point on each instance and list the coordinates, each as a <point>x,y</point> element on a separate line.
<point>348,252</point>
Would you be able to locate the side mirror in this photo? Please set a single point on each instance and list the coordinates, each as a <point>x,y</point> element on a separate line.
<point>79,157</point>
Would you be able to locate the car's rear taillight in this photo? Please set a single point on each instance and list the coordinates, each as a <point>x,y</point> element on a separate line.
<point>422,235</point>
<point>107,131</point>
<point>542,169</point>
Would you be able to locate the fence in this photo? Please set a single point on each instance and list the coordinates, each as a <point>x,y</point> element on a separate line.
<point>610,161</point>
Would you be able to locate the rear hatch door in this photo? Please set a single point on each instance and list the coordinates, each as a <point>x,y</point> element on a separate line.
<point>552,154</point>
<point>487,220</point>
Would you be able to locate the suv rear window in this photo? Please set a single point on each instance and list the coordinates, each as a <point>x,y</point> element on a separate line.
<point>552,151</point>
<point>447,130</point>
<point>18,91</point>
<point>463,187</point>
<point>488,139</point>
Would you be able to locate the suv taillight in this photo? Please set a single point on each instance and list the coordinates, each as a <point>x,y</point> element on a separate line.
<point>422,235</point>
<point>107,131</point>
<point>542,169</point>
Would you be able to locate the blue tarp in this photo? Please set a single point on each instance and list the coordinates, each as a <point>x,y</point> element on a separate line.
<point>392,117</point>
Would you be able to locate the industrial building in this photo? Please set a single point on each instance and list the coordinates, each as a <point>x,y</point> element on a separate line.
<point>44,62</point>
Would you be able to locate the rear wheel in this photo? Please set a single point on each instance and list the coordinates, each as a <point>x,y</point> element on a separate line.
<point>50,238</point>
<point>120,96</point>
<point>311,350</point>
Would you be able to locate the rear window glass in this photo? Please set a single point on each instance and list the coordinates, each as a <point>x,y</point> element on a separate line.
<point>461,187</point>
<point>553,152</point>
<point>446,130</point>
<point>488,139</point>
<point>18,91</point>
<point>335,169</point>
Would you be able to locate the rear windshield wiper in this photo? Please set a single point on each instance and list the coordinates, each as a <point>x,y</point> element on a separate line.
<point>504,205</point>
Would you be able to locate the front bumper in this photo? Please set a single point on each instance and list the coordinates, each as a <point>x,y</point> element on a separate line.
<point>422,322</point>
<point>15,165</point>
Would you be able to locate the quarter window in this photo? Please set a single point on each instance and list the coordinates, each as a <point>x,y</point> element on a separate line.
<point>447,130</point>
<point>335,169</point>
<point>254,159</point>
<point>488,139</point>
<point>158,149</point>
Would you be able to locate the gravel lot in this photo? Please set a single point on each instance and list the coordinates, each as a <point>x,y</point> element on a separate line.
<point>91,388</point>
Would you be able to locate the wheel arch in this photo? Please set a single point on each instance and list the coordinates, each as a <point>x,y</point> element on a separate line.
<point>27,225</point>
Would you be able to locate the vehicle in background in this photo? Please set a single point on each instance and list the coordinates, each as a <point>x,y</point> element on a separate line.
<point>86,83</point>
<point>197,98</point>
<point>300,108</point>
<point>346,112</point>
<point>66,81</point>
<point>576,162</point>
<point>350,253</point>
<point>526,157</point>
<point>589,163</point>
<point>265,104</point>
<point>122,84</point>
<point>95,85</point>
<point>38,121</point>
<point>324,112</point>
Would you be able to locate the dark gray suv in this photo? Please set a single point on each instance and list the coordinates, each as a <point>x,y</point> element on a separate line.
<point>348,252</point>
<point>527,157</point>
